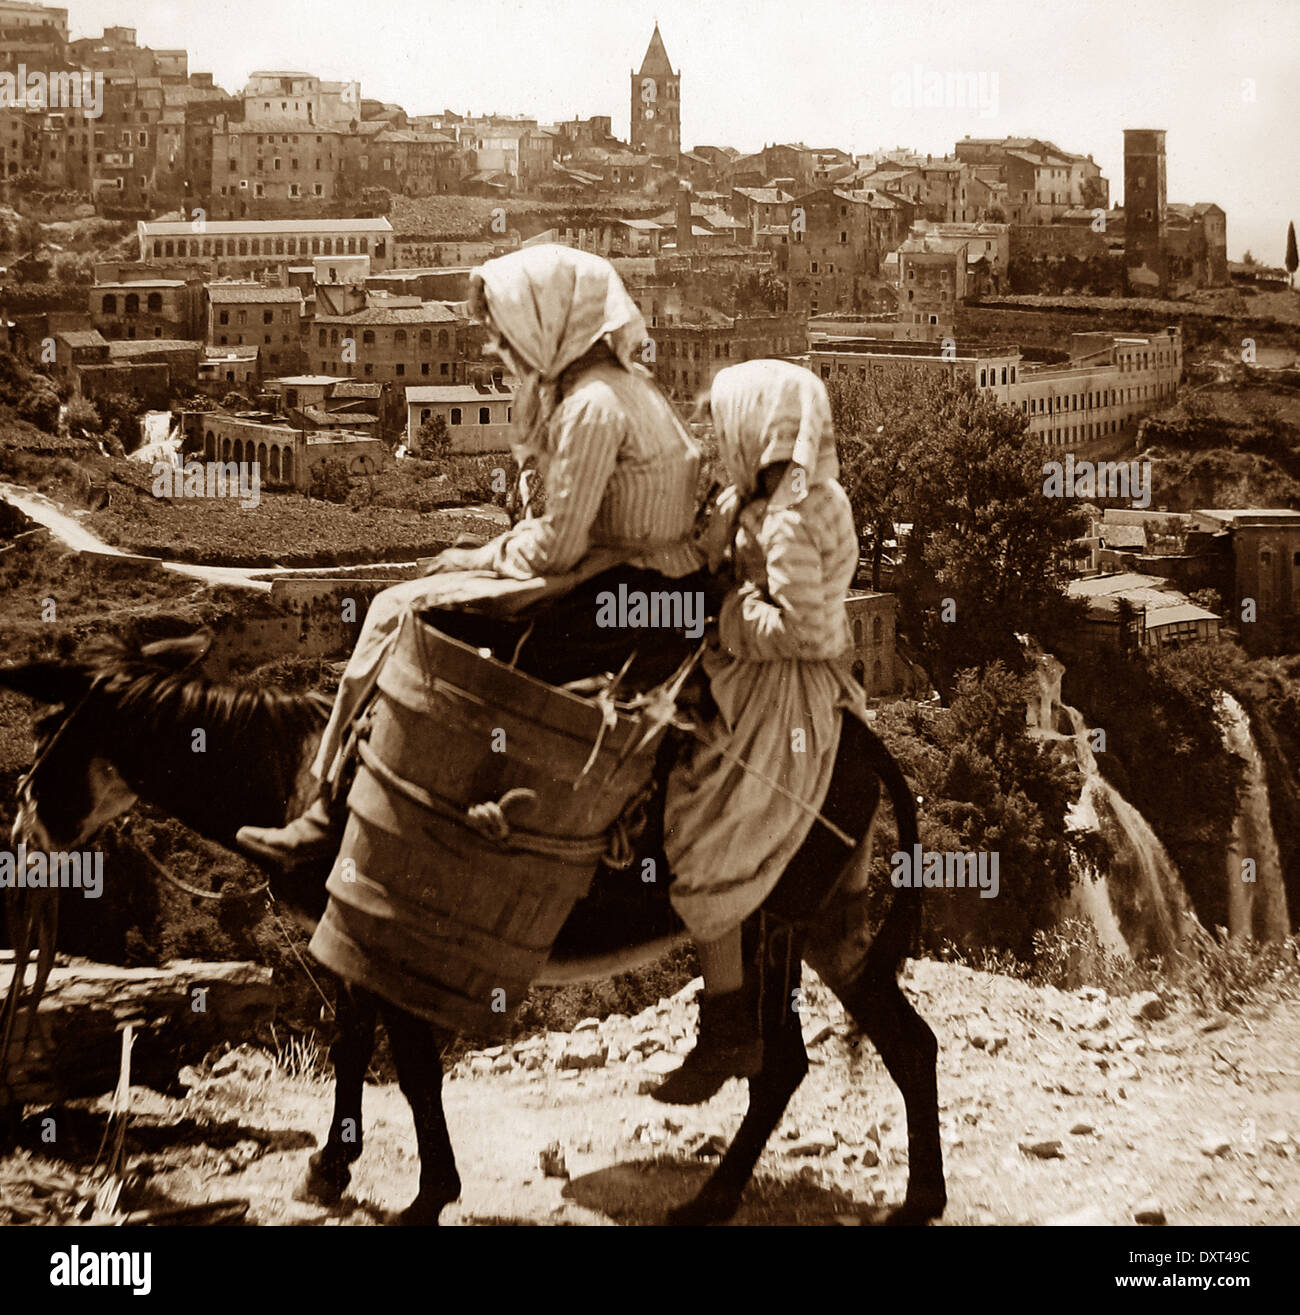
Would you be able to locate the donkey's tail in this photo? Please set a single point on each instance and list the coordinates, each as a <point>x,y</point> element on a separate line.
<point>901,930</point>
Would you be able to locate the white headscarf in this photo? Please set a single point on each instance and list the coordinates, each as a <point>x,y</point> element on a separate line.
<point>551,305</point>
<point>770,411</point>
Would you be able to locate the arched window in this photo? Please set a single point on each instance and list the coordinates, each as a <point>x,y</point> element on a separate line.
<point>210,446</point>
<point>442,339</point>
<point>225,449</point>
<point>399,338</point>
<point>322,337</point>
<point>876,629</point>
<point>110,304</point>
<point>455,415</point>
<point>426,337</point>
<point>857,631</point>
<point>334,337</point>
<point>155,302</point>
<point>368,338</point>
<point>132,303</point>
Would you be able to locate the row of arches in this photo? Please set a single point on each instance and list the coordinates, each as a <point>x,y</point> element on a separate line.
<point>274,460</point>
<point>131,303</point>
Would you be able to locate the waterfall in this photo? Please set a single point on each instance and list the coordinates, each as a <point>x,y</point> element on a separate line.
<point>1147,911</point>
<point>1257,908</point>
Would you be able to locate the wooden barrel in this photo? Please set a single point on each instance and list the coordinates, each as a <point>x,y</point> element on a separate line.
<point>479,813</point>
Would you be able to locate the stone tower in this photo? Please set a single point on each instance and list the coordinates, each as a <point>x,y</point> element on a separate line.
<point>656,103</point>
<point>1145,268</point>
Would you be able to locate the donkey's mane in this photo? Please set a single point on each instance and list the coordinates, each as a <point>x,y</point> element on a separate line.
<point>254,738</point>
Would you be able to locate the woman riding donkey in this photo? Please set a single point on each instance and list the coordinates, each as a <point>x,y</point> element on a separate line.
<point>744,802</point>
<point>620,472</point>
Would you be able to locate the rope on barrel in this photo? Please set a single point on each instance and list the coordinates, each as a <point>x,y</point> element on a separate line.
<point>482,817</point>
<point>489,817</point>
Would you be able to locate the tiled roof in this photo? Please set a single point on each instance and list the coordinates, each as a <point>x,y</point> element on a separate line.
<point>82,338</point>
<point>264,227</point>
<point>429,312</point>
<point>146,346</point>
<point>455,393</point>
<point>235,293</point>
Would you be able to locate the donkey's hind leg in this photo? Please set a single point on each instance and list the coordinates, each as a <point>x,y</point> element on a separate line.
<point>785,1064</point>
<point>419,1072</point>
<point>330,1169</point>
<point>910,1053</point>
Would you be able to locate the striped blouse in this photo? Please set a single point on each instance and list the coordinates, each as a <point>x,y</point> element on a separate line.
<point>622,474</point>
<point>796,565</point>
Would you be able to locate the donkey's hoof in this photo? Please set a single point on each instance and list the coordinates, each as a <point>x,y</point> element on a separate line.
<point>706,1208</point>
<point>918,1208</point>
<point>423,1212</point>
<point>326,1181</point>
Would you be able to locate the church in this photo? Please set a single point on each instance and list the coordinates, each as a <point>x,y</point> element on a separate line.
<point>656,104</point>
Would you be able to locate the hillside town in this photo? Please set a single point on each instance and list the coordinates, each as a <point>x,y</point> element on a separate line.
<point>253,387</point>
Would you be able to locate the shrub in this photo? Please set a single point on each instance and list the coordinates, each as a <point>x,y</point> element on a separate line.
<point>329,481</point>
<point>39,405</point>
<point>82,414</point>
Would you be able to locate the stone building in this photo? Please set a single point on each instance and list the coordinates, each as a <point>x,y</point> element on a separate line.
<point>656,127</point>
<point>690,351</point>
<point>1145,269</point>
<point>872,620</point>
<point>254,315</point>
<point>262,248</point>
<point>478,416</point>
<point>1107,386</point>
<point>395,338</point>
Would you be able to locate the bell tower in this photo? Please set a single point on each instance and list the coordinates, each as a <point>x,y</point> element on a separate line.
<point>656,103</point>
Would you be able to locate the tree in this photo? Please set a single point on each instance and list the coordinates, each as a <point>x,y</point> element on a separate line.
<point>433,437</point>
<point>1248,259</point>
<point>39,405</point>
<point>1292,256</point>
<point>329,481</point>
<point>876,430</point>
<point>989,553</point>
<point>1092,194</point>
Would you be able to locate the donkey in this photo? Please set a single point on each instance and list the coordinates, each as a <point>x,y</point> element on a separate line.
<point>119,728</point>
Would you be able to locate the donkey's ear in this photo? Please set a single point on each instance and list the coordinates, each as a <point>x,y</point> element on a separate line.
<point>180,653</point>
<point>47,682</point>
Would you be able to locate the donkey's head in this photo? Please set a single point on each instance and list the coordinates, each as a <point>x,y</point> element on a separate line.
<point>73,789</point>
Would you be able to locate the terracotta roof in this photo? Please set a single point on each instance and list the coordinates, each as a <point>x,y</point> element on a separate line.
<point>234,293</point>
<point>429,312</point>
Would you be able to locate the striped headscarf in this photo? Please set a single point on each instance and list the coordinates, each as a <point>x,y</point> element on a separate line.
<point>551,305</point>
<point>770,411</point>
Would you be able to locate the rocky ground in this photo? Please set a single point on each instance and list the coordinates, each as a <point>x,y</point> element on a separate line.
<point>1057,1107</point>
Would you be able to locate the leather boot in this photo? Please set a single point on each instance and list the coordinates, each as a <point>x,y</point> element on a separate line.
<point>729,1046</point>
<point>312,838</point>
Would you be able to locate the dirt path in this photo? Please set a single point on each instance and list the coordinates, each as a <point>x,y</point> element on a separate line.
<point>73,534</point>
<point>1197,1117</point>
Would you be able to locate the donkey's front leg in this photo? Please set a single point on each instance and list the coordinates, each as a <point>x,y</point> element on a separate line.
<point>419,1071</point>
<point>330,1169</point>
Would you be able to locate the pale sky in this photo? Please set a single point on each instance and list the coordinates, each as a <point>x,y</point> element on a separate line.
<point>1222,78</point>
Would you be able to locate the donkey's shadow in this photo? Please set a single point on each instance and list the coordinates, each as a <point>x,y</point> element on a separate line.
<point>641,1192</point>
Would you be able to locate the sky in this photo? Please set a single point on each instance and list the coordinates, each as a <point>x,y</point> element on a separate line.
<point>1222,79</point>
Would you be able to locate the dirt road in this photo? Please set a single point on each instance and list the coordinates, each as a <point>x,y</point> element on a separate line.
<point>1057,1107</point>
